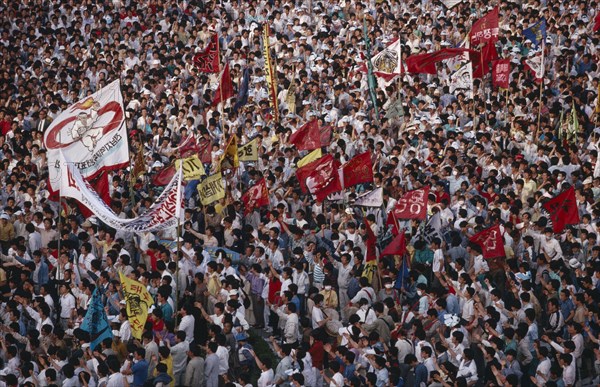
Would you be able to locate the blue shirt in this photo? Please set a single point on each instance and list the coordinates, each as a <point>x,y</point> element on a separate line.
<point>140,373</point>
<point>452,305</point>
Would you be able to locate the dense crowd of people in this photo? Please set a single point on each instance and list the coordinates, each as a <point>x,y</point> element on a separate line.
<point>440,315</point>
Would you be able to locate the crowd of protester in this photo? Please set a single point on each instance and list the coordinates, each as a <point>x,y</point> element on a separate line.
<point>439,316</point>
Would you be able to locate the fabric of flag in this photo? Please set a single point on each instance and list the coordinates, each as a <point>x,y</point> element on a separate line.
<point>536,65</point>
<point>242,97</point>
<point>139,166</point>
<point>325,134</point>
<point>462,80</point>
<point>270,72</point>
<point>573,126</point>
<point>256,196</point>
<point>307,137</point>
<point>138,300</point>
<point>425,63</point>
<point>391,223</point>
<point>396,247</point>
<point>395,109</point>
<point>358,170</point>
<point>372,198</point>
<point>597,22</point>
<point>536,33</point>
<point>431,230</point>
<point>211,189</point>
<point>225,89</point>
<point>485,30</point>
<point>412,205</point>
<point>192,168</point>
<point>290,98</point>
<point>309,158</point>
<point>451,3</point>
<point>207,61</point>
<point>483,59</point>
<point>491,242</point>
<point>501,73</point>
<point>164,176</point>
<point>371,82</point>
<point>248,151</point>
<point>229,159</point>
<point>320,177</point>
<point>371,254</point>
<point>387,64</point>
<point>204,149</point>
<point>95,321</point>
<point>563,210</point>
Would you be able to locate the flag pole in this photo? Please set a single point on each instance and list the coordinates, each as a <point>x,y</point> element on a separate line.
<point>539,118</point>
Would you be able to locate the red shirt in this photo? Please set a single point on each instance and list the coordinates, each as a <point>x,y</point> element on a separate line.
<point>317,352</point>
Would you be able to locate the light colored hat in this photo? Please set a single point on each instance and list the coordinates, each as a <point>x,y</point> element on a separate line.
<point>588,180</point>
<point>349,211</point>
<point>574,263</point>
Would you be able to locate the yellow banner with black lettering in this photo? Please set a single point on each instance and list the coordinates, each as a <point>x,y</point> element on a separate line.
<point>249,151</point>
<point>211,189</point>
<point>229,159</point>
<point>309,158</point>
<point>138,300</point>
<point>192,168</point>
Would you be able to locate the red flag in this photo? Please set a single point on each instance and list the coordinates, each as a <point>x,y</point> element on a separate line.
<point>425,63</point>
<point>257,196</point>
<point>204,150</point>
<point>563,210</point>
<point>308,137</point>
<point>371,244</point>
<point>163,177</point>
<point>485,30</point>
<point>326,135</point>
<point>491,242</point>
<point>101,186</point>
<point>391,221</point>
<point>207,61</point>
<point>225,89</point>
<point>482,60</point>
<point>320,177</point>
<point>188,147</point>
<point>501,73</point>
<point>597,22</point>
<point>396,247</point>
<point>358,170</point>
<point>413,205</point>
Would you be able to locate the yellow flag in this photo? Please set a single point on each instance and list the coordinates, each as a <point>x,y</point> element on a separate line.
<point>192,167</point>
<point>309,158</point>
<point>211,189</point>
<point>369,270</point>
<point>230,159</point>
<point>138,301</point>
<point>249,151</point>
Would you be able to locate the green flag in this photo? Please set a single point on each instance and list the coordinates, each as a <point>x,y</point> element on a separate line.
<point>573,125</point>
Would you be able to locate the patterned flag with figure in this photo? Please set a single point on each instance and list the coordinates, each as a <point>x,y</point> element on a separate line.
<point>387,64</point>
<point>462,80</point>
<point>536,65</point>
<point>138,300</point>
<point>95,321</point>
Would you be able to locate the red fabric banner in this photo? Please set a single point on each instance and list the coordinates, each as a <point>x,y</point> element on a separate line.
<point>491,242</point>
<point>358,170</point>
<point>563,210</point>
<point>413,205</point>
<point>307,137</point>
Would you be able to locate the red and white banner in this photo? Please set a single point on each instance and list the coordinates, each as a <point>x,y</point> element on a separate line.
<point>163,214</point>
<point>413,205</point>
<point>388,63</point>
<point>91,134</point>
<point>320,177</point>
<point>256,196</point>
<point>207,61</point>
<point>485,30</point>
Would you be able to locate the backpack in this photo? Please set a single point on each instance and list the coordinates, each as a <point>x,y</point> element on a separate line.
<point>353,287</point>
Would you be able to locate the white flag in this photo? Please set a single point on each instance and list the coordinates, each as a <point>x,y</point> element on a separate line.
<point>388,63</point>
<point>536,64</point>
<point>450,3</point>
<point>163,214</point>
<point>90,133</point>
<point>370,199</point>
<point>462,80</point>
